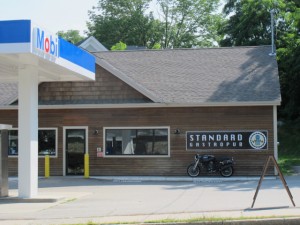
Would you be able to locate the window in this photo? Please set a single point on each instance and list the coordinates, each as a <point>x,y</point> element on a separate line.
<point>137,142</point>
<point>13,142</point>
<point>47,142</point>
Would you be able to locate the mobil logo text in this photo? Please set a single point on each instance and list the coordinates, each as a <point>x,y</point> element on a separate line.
<point>47,43</point>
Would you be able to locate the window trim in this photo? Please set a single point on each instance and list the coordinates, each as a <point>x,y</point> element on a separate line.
<point>136,156</point>
<point>42,128</point>
<point>56,141</point>
<point>14,156</point>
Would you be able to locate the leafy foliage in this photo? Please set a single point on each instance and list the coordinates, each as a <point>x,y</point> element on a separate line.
<point>120,46</point>
<point>288,55</point>
<point>188,23</point>
<point>156,46</point>
<point>249,23</point>
<point>125,20</point>
<point>184,23</point>
<point>72,36</point>
<point>288,149</point>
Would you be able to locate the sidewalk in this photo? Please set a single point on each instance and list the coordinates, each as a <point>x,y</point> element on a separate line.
<point>143,199</point>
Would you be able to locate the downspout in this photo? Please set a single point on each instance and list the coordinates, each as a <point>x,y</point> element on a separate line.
<point>275,136</point>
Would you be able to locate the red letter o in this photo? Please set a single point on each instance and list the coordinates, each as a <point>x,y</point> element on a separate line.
<point>47,45</point>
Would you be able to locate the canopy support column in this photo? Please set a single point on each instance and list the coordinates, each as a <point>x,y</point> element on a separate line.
<point>28,132</point>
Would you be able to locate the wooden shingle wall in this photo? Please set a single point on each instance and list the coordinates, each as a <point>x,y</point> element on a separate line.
<point>248,162</point>
<point>106,87</point>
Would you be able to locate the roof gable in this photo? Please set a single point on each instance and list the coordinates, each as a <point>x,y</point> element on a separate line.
<point>199,76</point>
<point>91,44</point>
<point>8,93</point>
<point>191,77</point>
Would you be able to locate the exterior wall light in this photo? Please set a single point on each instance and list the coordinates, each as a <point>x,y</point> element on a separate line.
<point>177,131</point>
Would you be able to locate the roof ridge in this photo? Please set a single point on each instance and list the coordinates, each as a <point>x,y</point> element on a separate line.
<point>184,49</point>
<point>243,73</point>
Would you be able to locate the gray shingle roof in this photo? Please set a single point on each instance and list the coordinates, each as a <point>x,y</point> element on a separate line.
<point>195,76</point>
<point>8,93</point>
<point>191,76</point>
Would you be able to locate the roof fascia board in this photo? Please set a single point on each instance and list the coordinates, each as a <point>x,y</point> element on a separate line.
<point>127,79</point>
<point>148,105</point>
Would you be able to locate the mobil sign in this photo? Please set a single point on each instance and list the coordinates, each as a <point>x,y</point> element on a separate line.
<point>38,45</point>
<point>45,43</point>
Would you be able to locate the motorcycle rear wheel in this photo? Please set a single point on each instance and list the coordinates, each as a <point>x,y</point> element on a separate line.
<point>193,172</point>
<point>227,172</point>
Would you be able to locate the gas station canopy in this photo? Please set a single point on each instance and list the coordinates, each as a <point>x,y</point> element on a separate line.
<point>29,55</point>
<point>24,43</point>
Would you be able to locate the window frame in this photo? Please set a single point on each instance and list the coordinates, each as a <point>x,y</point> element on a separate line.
<point>136,156</point>
<point>42,156</point>
<point>65,128</point>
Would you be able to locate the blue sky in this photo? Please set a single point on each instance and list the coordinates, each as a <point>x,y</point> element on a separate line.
<point>53,15</point>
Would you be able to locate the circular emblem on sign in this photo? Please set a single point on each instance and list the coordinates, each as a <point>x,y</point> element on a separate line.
<point>257,140</point>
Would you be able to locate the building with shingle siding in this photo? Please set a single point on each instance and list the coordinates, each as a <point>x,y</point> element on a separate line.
<point>137,118</point>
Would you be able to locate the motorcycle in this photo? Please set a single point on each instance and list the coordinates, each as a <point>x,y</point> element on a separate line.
<point>211,164</point>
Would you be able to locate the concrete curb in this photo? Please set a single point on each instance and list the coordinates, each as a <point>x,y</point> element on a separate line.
<point>271,221</point>
<point>30,200</point>
<point>275,221</point>
<point>179,179</point>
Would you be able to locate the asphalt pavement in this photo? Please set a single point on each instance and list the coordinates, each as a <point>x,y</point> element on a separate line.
<point>74,200</point>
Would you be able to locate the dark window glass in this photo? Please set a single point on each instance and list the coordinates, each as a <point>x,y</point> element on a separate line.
<point>75,150</point>
<point>13,142</point>
<point>46,144</point>
<point>136,142</point>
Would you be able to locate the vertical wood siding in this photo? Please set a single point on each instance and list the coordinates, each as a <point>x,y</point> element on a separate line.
<point>248,162</point>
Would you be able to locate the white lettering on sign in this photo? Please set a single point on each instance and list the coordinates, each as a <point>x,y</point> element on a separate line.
<point>227,140</point>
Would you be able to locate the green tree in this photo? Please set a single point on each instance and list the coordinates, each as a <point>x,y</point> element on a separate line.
<point>189,23</point>
<point>156,46</point>
<point>120,46</point>
<point>181,23</point>
<point>125,20</point>
<point>249,24</point>
<point>288,55</point>
<point>72,36</point>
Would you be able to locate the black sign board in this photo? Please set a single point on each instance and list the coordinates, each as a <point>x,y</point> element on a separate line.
<point>256,140</point>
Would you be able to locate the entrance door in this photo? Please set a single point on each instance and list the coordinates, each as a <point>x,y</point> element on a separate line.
<point>75,148</point>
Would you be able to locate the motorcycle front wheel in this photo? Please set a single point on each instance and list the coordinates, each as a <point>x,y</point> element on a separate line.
<point>193,172</point>
<point>227,172</point>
